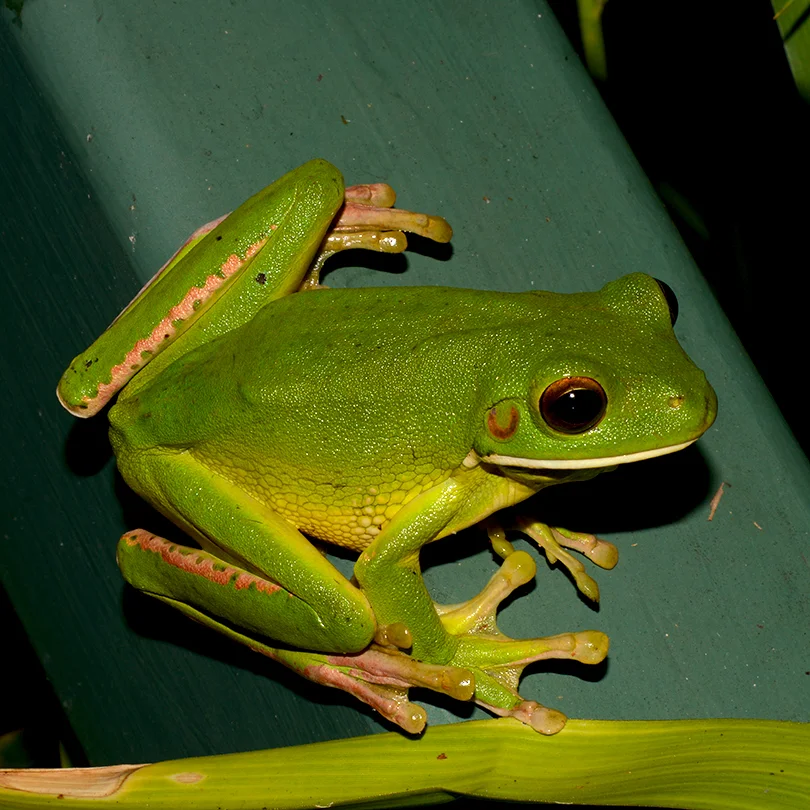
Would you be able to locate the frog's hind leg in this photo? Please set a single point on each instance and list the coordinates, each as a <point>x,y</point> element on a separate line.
<point>187,577</point>
<point>255,569</point>
<point>380,678</point>
<point>260,582</point>
<point>237,603</point>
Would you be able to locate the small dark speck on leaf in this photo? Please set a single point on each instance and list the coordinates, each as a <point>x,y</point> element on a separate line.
<point>219,238</point>
<point>442,756</point>
<point>262,278</point>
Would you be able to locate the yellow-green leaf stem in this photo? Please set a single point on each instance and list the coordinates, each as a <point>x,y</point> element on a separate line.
<point>792,18</point>
<point>593,39</point>
<point>717,764</point>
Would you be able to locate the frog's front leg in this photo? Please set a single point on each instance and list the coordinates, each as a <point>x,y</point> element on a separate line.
<point>465,635</point>
<point>259,581</point>
<point>498,661</point>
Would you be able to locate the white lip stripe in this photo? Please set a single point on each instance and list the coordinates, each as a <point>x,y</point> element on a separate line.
<point>581,463</point>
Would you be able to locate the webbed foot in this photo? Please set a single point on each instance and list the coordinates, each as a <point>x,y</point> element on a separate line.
<point>497,661</point>
<point>369,221</point>
<point>380,677</point>
<point>553,541</point>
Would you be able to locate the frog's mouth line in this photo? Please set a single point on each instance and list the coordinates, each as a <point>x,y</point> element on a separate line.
<point>581,463</point>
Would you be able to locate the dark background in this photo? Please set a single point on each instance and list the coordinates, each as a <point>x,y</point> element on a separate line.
<point>705,97</point>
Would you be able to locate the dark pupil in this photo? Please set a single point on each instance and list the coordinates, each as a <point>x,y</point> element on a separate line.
<point>577,407</point>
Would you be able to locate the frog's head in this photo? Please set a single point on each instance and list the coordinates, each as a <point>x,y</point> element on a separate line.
<point>606,383</point>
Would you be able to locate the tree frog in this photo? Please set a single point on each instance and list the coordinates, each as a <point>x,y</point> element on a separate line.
<point>262,410</point>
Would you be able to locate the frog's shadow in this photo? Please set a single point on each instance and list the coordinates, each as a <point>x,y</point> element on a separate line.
<point>634,497</point>
<point>87,447</point>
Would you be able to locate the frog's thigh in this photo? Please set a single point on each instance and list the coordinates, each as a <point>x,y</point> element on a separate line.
<point>269,580</point>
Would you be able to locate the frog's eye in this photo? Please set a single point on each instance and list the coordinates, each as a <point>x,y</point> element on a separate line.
<point>573,404</point>
<point>670,298</point>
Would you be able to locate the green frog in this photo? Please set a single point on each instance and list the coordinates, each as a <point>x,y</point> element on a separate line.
<point>259,410</point>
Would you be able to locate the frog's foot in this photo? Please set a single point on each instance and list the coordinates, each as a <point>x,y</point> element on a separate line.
<point>554,541</point>
<point>497,661</point>
<point>380,677</point>
<point>369,221</point>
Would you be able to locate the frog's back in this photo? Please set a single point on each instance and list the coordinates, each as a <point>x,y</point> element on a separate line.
<point>359,325</point>
<point>333,406</point>
<point>347,352</point>
<point>393,364</point>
